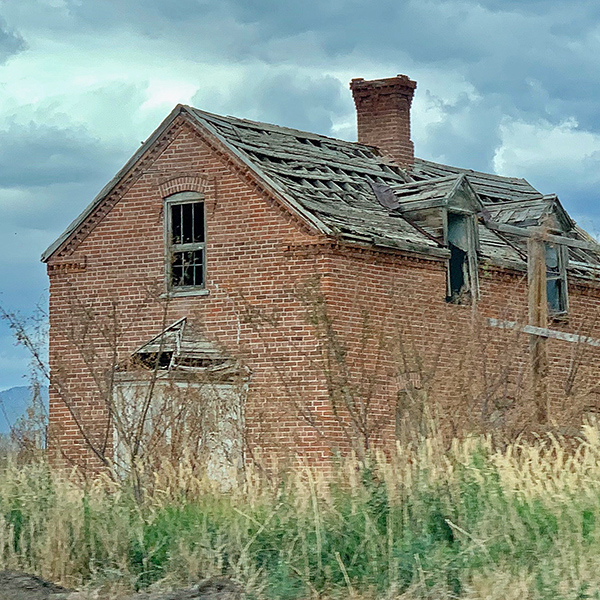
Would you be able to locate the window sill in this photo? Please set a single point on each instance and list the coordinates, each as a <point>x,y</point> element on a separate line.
<point>185,293</point>
<point>562,317</point>
<point>464,300</point>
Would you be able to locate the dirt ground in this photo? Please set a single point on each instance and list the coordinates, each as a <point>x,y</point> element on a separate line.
<point>22,586</point>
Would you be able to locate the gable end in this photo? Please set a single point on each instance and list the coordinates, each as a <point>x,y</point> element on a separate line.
<point>115,189</point>
<point>137,166</point>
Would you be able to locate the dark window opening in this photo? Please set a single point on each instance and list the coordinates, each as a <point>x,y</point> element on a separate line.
<point>462,265</point>
<point>556,279</point>
<point>187,223</point>
<point>155,360</point>
<point>187,268</point>
<point>554,293</point>
<point>166,360</point>
<point>186,234</point>
<point>458,266</point>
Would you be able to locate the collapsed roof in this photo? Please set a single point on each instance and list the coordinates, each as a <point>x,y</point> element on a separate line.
<point>333,180</point>
<point>332,183</point>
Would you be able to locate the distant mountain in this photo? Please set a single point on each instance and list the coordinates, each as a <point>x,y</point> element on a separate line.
<point>13,404</point>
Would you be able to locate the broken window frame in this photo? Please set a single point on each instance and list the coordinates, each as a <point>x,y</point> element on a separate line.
<point>173,248</point>
<point>469,289</point>
<point>556,278</point>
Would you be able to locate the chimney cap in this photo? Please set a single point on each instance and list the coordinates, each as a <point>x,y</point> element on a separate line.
<point>400,81</point>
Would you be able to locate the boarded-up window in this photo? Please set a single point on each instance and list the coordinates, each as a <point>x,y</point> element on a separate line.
<point>176,415</point>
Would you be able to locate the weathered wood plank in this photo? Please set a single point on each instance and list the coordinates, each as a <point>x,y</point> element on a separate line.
<point>545,332</point>
<point>413,205</point>
<point>554,239</point>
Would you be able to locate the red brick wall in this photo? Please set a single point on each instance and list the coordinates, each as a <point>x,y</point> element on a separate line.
<point>386,321</point>
<point>251,277</point>
<point>470,375</point>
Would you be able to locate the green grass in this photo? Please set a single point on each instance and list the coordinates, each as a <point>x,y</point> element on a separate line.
<point>468,522</point>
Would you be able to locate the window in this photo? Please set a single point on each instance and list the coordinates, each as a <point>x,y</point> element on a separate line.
<point>462,265</point>
<point>556,279</point>
<point>186,241</point>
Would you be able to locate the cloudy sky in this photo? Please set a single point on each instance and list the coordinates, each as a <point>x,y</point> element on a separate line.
<point>509,86</point>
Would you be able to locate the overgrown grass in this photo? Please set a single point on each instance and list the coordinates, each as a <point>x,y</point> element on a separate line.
<point>469,522</point>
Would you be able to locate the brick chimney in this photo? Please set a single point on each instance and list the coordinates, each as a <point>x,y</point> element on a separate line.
<point>383,116</point>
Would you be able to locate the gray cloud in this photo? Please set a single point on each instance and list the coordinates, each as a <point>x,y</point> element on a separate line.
<point>501,47</point>
<point>23,286</point>
<point>31,219</point>
<point>48,174</point>
<point>577,185</point>
<point>36,155</point>
<point>151,17</point>
<point>539,7</point>
<point>283,98</point>
<point>14,360</point>
<point>469,132</point>
<point>11,42</point>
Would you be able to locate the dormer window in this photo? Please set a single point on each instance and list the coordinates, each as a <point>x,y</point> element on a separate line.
<point>461,236</point>
<point>186,242</point>
<point>556,279</point>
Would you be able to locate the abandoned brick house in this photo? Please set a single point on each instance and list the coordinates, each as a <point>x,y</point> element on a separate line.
<point>332,292</point>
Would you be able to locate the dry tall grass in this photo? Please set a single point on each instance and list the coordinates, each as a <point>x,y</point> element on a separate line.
<point>472,521</point>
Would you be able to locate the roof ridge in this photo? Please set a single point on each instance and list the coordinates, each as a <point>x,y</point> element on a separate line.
<point>278,128</point>
<point>474,171</point>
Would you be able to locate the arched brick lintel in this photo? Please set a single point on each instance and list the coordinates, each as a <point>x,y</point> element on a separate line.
<point>183,183</point>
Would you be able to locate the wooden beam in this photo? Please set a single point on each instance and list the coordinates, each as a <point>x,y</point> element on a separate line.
<point>538,317</point>
<point>412,205</point>
<point>549,237</point>
<point>544,332</point>
<point>536,278</point>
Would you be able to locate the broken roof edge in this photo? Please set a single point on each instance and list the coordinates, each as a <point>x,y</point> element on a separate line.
<point>586,235</point>
<point>562,212</point>
<point>379,243</point>
<point>263,179</point>
<point>109,187</point>
<point>553,203</point>
<point>465,171</point>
